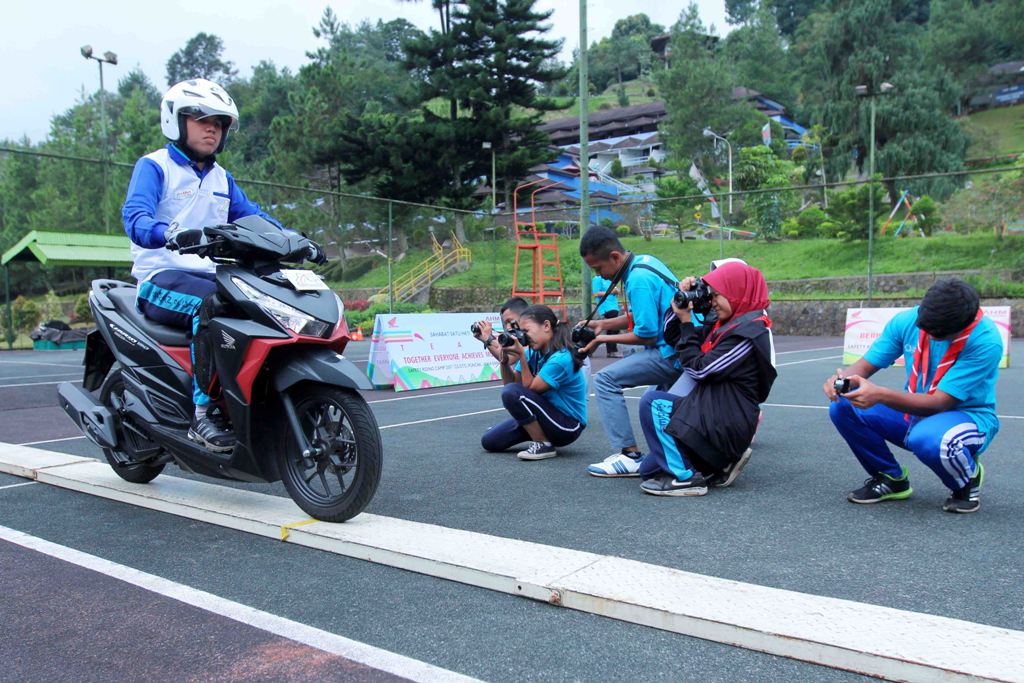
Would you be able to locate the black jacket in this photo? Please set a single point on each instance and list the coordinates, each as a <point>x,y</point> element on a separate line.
<point>717,420</point>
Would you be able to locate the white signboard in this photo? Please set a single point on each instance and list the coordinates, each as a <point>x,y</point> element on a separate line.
<point>421,350</point>
<point>865,325</point>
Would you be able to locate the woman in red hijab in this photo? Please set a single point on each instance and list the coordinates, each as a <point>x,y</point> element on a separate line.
<point>702,439</point>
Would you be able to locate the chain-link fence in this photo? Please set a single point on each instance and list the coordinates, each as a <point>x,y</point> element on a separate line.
<point>811,241</point>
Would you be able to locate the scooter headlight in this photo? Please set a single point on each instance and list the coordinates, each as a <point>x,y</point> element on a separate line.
<point>288,316</point>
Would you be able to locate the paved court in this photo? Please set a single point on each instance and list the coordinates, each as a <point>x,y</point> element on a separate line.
<point>784,524</point>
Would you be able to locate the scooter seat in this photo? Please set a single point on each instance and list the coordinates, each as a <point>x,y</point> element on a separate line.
<point>123,299</point>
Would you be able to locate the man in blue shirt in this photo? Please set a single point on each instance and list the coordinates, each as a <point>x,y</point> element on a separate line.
<point>946,414</point>
<point>608,308</point>
<point>174,193</point>
<point>649,286</point>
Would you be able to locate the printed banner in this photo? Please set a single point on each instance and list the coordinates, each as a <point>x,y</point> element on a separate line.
<point>865,325</point>
<point>766,134</point>
<point>424,350</point>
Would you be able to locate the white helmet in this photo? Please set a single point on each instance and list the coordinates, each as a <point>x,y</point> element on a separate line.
<point>195,96</point>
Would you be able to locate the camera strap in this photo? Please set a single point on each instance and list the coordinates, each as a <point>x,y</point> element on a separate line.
<point>620,276</point>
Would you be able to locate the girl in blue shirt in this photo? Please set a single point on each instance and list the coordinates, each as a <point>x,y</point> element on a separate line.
<point>546,396</point>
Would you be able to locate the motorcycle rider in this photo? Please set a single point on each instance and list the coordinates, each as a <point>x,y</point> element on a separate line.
<point>175,192</point>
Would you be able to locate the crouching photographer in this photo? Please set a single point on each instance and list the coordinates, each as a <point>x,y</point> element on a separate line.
<point>546,396</point>
<point>509,313</point>
<point>702,439</point>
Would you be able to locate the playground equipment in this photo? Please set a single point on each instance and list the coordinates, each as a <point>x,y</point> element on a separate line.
<point>440,263</point>
<point>905,200</point>
<point>540,251</point>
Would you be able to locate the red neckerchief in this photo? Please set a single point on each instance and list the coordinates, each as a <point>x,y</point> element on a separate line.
<point>920,364</point>
<point>716,335</point>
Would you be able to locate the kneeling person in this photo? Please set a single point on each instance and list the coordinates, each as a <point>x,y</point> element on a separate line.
<point>703,438</point>
<point>546,395</point>
<point>946,414</point>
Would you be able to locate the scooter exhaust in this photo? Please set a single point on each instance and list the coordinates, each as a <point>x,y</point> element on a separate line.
<point>95,420</point>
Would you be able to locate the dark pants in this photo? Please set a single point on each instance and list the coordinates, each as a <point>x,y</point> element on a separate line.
<point>611,347</point>
<point>526,406</point>
<point>175,297</point>
<point>665,455</point>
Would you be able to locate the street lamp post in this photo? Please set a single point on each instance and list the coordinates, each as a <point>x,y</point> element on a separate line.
<point>107,58</point>
<point>865,91</point>
<point>584,98</point>
<point>494,215</point>
<point>708,133</point>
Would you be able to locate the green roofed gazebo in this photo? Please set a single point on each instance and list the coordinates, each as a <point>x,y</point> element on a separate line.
<point>64,249</point>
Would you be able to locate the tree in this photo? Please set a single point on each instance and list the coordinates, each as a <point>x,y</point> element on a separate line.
<point>201,58</point>
<point>698,94</point>
<point>759,59</point>
<point>740,11</point>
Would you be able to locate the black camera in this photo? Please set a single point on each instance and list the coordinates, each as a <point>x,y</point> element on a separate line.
<point>699,295</point>
<point>842,385</point>
<point>582,335</point>
<point>509,338</point>
<point>475,329</point>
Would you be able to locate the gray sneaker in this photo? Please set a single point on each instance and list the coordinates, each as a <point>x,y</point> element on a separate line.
<point>211,434</point>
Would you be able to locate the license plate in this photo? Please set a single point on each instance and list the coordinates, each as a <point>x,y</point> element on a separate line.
<point>304,280</point>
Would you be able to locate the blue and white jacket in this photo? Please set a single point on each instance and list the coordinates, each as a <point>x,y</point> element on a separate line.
<point>167,187</point>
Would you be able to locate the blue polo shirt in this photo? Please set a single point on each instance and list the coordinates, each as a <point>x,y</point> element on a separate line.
<point>971,379</point>
<point>568,386</point>
<point>601,284</point>
<point>650,297</point>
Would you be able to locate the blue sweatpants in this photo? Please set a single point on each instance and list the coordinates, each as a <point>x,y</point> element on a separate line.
<point>948,443</point>
<point>665,454</point>
<point>526,406</point>
<point>174,297</point>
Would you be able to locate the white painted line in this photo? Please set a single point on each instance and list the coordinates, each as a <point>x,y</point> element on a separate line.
<point>793,405</point>
<point>819,348</point>
<point>14,486</point>
<point>67,438</point>
<point>49,365</point>
<point>870,639</point>
<point>27,462</point>
<point>326,641</point>
<point>38,384</point>
<point>77,371</point>
<point>445,417</point>
<point>439,393</point>
<point>806,360</point>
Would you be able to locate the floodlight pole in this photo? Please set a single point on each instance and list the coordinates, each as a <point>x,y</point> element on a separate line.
<point>10,316</point>
<point>584,99</point>
<point>494,218</point>
<point>107,58</point>
<point>872,95</point>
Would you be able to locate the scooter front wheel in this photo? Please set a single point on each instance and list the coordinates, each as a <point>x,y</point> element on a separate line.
<point>337,479</point>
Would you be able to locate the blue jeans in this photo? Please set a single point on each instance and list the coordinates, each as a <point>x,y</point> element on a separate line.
<point>948,443</point>
<point>639,369</point>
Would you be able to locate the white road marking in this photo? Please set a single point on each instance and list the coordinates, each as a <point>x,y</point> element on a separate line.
<point>14,486</point>
<point>820,348</point>
<point>861,637</point>
<point>49,365</point>
<point>76,371</point>
<point>66,438</point>
<point>439,393</point>
<point>326,641</point>
<point>445,417</point>
<point>806,360</point>
<point>38,384</point>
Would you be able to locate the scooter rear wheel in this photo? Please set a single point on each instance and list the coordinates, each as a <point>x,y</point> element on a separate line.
<point>338,481</point>
<point>112,396</point>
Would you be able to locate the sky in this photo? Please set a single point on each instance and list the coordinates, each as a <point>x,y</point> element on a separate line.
<point>44,72</point>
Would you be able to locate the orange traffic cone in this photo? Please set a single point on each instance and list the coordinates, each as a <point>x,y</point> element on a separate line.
<point>358,334</point>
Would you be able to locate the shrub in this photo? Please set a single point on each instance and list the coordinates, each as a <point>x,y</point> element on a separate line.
<point>83,313</point>
<point>927,213</point>
<point>623,230</point>
<point>356,304</point>
<point>807,224</point>
<point>651,92</point>
<point>616,169</point>
<point>26,314</point>
<point>367,316</point>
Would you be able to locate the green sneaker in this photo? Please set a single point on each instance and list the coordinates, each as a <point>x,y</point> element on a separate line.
<point>882,487</point>
<point>967,499</point>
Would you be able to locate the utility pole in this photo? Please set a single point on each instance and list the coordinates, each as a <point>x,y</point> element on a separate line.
<point>584,100</point>
<point>107,58</point>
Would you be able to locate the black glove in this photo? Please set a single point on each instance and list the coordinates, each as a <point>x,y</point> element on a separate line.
<point>179,237</point>
<point>315,253</point>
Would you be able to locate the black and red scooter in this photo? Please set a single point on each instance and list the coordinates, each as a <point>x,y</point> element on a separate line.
<point>277,338</point>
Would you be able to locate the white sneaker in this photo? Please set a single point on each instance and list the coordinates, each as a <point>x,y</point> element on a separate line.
<point>616,465</point>
<point>537,450</point>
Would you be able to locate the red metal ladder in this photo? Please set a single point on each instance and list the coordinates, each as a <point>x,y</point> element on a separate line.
<point>540,249</point>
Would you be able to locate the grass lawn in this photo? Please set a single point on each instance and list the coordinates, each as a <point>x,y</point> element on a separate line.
<point>1001,131</point>
<point>785,260</point>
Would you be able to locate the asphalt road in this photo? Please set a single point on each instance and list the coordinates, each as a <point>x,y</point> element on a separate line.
<point>785,523</point>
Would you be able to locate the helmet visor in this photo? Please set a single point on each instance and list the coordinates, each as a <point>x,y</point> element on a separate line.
<point>199,113</point>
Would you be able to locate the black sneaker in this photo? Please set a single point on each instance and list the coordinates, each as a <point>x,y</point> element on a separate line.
<point>726,477</point>
<point>211,434</point>
<point>882,487</point>
<point>668,485</point>
<point>967,499</point>
<point>537,450</point>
